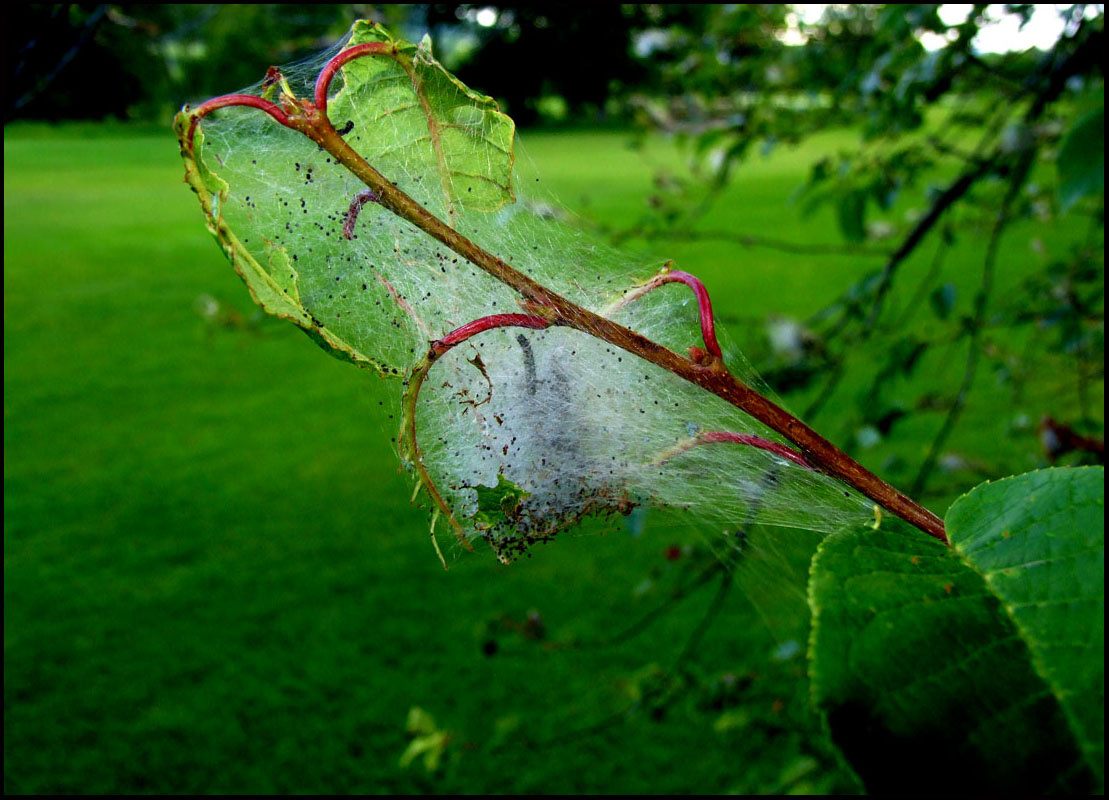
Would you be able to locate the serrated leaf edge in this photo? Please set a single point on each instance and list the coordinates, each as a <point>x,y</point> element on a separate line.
<point>247,266</point>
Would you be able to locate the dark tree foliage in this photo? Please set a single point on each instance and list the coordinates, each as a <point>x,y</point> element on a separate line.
<point>56,57</point>
<point>548,49</point>
<point>60,57</point>
<point>999,124</point>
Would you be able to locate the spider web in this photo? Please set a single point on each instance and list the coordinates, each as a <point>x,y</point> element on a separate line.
<point>523,433</point>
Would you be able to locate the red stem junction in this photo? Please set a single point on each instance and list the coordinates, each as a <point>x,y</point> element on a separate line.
<point>323,80</point>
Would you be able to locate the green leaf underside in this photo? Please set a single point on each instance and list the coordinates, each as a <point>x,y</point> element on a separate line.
<point>1039,541</point>
<point>923,679</point>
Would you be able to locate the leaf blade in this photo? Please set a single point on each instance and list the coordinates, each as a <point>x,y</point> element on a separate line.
<point>1038,541</point>
<point>918,672</point>
<point>269,276</point>
<point>1081,159</point>
<point>452,132</point>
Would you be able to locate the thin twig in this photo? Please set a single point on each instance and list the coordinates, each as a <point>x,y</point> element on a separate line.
<point>948,198</point>
<point>826,391</point>
<point>726,583</point>
<point>977,324</point>
<point>752,240</point>
<point>917,299</point>
<point>619,717</point>
<point>87,28</point>
<point>683,592</point>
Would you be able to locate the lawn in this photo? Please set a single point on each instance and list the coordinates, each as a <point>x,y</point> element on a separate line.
<point>214,581</point>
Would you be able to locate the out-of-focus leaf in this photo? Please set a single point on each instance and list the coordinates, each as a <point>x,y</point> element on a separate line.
<point>428,741</point>
<point>1081,159</point>
<point>821,171</point>
<point>942,299</point>
<point>851,215</point>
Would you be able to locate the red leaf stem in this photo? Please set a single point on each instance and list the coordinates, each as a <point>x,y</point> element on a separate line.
<point>223,101</point>
<point>710,437</point>
<point>323,81</point>
<point>459,335</point>
<point>708,325</point>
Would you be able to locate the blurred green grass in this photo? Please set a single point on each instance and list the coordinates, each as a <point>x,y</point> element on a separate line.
<point>214,581</point>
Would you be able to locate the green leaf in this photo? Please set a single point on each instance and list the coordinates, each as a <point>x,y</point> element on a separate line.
<point>427,740</point>
<point>498,505</point>
<point>1039,541</point>
<point>431,747</point>
<point>924,680</point>
<point>851,215</point>
<point>276,203</point>
<point>942,299</point>
<point>267,270</point>
<point>431,123</point>
<point>419,722</point>
<point>1081,159</point>
<point>821,171</point>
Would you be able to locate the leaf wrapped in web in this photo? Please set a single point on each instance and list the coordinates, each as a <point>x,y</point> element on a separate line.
<point>531,420</point>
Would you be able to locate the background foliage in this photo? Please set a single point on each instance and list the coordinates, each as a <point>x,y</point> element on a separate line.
<point>184,613</point>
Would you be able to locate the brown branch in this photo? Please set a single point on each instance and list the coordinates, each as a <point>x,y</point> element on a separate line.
<point>538,300</point>
<point>1058,439</point>
<point>948,198</point>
